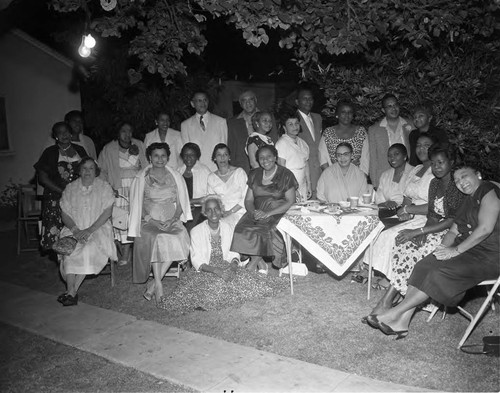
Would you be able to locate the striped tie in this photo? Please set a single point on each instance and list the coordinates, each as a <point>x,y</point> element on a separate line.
<point>202,123</point>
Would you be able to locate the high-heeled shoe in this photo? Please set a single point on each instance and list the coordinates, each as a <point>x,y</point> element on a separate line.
<point>387,330</point>
<point>372,321</point>
<point>149,292</point>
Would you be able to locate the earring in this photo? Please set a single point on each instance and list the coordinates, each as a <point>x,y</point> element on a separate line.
<point>480,177</point>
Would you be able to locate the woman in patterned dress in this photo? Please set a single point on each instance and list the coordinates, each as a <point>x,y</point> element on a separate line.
<point>55,169</point>
<point>216,280</point>
<point>86,206</point>
<point>467,255</point>
<point>271,192</point>
<point>159,203</point>
<point>262,124</point>
<point>344,131</point>
<point>120,161</point>
<point>229,183</point>
<point>414,244</point>
<point>412,213</point>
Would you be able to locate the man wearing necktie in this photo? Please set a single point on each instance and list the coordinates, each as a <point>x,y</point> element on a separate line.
<point>311,124</point>
<point>204,128</point>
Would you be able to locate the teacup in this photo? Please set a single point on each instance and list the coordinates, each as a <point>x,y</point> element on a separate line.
<point>344,204</point>
<point>354,201</point>
<point>367,198</point>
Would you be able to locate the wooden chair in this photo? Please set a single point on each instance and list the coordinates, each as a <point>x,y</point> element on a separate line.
<point>111,271</point>
<point>474,319</point>
<point>28,215</point>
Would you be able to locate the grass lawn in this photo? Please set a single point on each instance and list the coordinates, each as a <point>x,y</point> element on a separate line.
<point>320,324</point>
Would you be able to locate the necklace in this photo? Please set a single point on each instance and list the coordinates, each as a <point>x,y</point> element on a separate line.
<point>214,232</point>
<point>269,177</point>
<point>64,148</point>
<point>225,174</point>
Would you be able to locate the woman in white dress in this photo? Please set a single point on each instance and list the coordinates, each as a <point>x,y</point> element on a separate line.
<point>86,206</point>
<point>159,203</point>
<point>229,183</point>
<point>413,212</point>
<point>120,161</point>
<point>293,153</point>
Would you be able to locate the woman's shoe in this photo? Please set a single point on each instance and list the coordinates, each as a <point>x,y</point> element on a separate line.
<point>387,330</point>
<point>70,300</point>
<point>149,292</point>
<point>264,271</point>
<point>373,321</point>
<point>61,297</point>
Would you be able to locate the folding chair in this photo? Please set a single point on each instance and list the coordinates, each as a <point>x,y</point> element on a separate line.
<point>28,215</point>
<point>474,319</point>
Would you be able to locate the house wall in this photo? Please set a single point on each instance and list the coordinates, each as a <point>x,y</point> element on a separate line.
<point>35,83</point>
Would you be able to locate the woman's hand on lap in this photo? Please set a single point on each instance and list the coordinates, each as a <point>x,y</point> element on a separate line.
<point>443,253</point>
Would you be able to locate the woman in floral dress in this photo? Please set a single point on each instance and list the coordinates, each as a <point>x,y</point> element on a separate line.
<point>56,168</point>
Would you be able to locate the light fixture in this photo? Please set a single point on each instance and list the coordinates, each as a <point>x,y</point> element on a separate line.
<point>83,50</point>
<point>89,41</point>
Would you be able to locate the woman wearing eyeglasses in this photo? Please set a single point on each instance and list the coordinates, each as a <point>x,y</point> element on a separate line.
<point>343,179</point>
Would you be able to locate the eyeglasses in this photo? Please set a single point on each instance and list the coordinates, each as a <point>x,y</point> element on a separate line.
<point>391,106</point>
<point>346,154</point>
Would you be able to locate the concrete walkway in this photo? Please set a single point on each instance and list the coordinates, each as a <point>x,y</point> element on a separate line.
<point>189,359</point>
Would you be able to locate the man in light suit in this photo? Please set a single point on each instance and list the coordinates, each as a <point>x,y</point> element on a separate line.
<point>204,128</point>
<point>311,125</point>
<point>240,127</point>
<point>390,130</point>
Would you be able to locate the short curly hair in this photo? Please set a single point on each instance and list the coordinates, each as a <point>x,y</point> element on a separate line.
<point>87,159</point>
<point>157,146</point>
<point>219,146</point>
<point>194,147</point>
<point>212,197</point>
<point>271,148</point>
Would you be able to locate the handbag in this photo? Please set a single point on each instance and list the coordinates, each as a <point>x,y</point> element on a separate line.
<point>65,245</point>
<point>119,216</point>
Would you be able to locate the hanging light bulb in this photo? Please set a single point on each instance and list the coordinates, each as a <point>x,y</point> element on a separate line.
<point>83,50</point>
<point>89,41</point>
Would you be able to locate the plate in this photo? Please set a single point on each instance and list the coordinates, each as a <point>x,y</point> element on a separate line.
<point>363,209</point>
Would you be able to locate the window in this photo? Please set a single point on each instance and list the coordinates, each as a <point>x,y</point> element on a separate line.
<point>4,137</point>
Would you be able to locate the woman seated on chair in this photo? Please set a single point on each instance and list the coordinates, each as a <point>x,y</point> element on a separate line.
<point>271,192</point>
<point>195,176</point>
<point>230,183</point>
<point>392,182</point>
<point>467,255</point>
<point>120,161</point>
<point>412,213</point>
<point>343,179</point>
<point>159,203</point>
<point>414,244</point>
<point>86,205</point>
<point>216,280</point>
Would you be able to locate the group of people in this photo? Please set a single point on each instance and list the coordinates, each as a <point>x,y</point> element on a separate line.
<point>214,192</point>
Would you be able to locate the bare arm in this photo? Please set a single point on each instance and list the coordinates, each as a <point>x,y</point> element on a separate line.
<point>289,201</point>
<point>252,149</point>
<point>487,218</point>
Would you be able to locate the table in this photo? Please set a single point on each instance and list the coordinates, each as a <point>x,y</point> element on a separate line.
<point>335,240</point>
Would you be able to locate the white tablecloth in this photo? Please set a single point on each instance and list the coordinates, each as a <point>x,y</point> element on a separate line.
<point>335,240</point>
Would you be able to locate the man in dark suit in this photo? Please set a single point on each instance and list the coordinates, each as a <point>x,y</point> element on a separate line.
<point>240,127</point>
<point>311,124</point>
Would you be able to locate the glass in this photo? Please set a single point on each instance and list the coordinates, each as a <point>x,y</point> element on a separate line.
<point>391,106</point>
<point>346,154</point>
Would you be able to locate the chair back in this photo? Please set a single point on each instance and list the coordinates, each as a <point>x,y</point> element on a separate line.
<point>28,204</point>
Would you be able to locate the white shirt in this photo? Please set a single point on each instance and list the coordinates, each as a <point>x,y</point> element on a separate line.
<point>309,121</point>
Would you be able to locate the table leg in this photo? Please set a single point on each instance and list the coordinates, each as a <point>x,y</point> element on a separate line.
<point>370,268</point>
<point>288,247</point>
